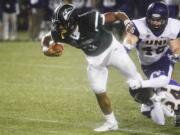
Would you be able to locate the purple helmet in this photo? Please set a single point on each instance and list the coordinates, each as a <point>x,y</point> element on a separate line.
<point>157,17</point>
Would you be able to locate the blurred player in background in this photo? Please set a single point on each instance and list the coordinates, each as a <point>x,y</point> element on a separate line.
<point>36,14</point>
<point>173,6</point>
<point>155,37</point>
<point>86,32</point>
<point>10,9</point>
<point>1,26</point>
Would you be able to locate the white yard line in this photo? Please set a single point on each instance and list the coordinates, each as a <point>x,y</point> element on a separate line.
<point>43,65</point>
<point>51,87</point>
<point>140,131</point>
<point>128,130</point>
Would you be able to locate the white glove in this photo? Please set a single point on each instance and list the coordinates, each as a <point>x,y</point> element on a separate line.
<point>134,84</point>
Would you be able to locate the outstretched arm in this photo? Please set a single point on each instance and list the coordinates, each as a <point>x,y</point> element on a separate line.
<point>111,17</point>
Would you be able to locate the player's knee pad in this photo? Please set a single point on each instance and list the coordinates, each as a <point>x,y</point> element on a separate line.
<point>142,95</point>
<point>98,90</point>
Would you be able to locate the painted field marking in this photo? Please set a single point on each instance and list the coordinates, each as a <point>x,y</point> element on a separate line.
<point>128,130</point>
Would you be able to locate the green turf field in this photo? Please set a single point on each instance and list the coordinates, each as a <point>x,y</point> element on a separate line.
<point>51,96</point>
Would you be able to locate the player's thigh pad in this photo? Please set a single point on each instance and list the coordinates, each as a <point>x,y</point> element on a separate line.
<point>120,59</point>
<point>97,76</point>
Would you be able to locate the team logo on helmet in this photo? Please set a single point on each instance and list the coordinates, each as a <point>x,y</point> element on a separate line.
<point>67,12</point>
<point>64,19</point>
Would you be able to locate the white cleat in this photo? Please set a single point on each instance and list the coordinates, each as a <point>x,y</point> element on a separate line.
<point>107,126</point>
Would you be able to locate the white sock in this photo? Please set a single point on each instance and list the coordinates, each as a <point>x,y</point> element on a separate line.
<point>157,114</point>
<point>110,118</point>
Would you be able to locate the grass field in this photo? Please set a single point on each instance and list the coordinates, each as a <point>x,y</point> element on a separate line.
<point>51,96</point>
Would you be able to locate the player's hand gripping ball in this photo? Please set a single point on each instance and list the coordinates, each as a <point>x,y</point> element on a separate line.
<point>56,49</point>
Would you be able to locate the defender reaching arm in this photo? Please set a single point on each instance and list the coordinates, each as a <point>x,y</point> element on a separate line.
<point>152,37</point>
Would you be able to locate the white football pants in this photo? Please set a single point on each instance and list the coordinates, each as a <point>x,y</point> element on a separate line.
<point>115,56</point>
<point>9,26</point>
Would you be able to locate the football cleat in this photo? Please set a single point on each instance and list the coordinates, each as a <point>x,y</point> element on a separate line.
<point>107,126</point>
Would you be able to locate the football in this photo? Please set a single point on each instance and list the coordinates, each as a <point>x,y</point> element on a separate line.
<point>56,48</point>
